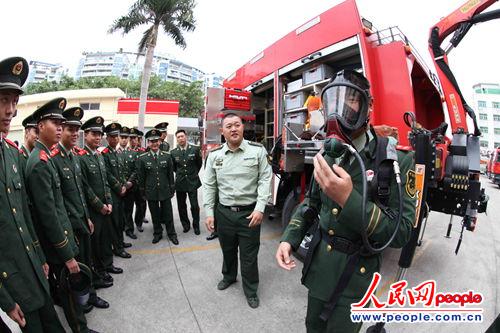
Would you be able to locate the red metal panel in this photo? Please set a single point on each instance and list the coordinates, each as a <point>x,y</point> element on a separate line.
<point>153,106</point>
<point>237,100</point>
<point>336,24</point>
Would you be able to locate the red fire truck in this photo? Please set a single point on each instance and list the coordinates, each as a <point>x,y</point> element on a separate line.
<point>426,111</point>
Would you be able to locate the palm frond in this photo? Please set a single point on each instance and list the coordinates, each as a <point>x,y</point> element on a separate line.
<point>145,40</point>
<point>134,18</point>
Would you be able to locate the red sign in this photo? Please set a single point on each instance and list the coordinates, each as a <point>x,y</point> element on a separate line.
<point>236,100</point>
<point>153,106</point>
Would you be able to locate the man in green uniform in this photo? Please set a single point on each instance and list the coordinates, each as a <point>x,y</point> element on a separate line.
<point>116,181</point>
<point>130,157</point>
<point>30,136</point>
<point>336,196</point>
<point>123,143</point>
<point>162,127</point>
<point>98,197</point>
<point>187,164</point>
<point>155,176</point>
<point>140,202</point>
<point>70,176</point>
<point>24,290</point>
<point>52,224</point>
<point>239,175</point>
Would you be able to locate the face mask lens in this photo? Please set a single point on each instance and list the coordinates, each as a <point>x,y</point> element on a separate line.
<point>345,103</point>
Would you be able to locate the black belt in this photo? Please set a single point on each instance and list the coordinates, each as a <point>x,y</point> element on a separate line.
<point>239,208</point>
<point>340,244</point>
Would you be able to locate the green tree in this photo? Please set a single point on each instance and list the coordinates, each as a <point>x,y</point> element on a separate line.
<point>173,16</point>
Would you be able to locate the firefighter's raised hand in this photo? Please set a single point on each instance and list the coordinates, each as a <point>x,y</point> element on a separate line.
<point>283,256</point>
<point>334,181</point>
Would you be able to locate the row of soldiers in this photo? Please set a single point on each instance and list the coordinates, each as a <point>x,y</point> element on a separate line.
<point>64,209</point>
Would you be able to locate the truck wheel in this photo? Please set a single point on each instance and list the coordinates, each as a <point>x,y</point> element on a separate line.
<point>291,202</point>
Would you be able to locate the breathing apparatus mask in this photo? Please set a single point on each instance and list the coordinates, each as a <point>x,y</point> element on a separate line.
<point>346,102</point>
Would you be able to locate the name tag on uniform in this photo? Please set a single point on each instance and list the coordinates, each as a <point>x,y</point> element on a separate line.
<point>163,162</point>
<point>218,161</point>
<point>191,155</point>
<point>248,158</point>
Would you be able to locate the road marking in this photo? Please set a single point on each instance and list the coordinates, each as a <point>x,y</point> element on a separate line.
<point>195,248</point>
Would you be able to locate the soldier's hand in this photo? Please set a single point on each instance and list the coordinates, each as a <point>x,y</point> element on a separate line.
<point>17,315</point>
<point>255,219</point>
<point>209,222</point>
<point>128,185</point>
<point>334,181</point>
<point>110,208</point>
<point>72,265</point>
<point>104,210</point>
<point>45,268</point>
<point>91,226</point>
<point>123,191</point>
<point>283,256</point>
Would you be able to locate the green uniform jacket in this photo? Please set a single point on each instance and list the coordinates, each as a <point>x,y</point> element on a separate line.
<point>51,219</point>
<point>22,280</point>
<point>95,181</point>
<point>129,165</point>
<point>187,165</point>
<point>114,170</point>
<point>165,146</point>
<point>327,265</point>
<point>70,174</point>
<point>156,176</point>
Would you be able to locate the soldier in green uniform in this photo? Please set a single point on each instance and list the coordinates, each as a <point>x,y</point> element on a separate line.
<point>52,224</point>
<point>335,194</point>
<point>130,157</point>
<point>24,290</point>
<point>30,136</point>
<point>162,127</point>
<point>70,175</point>
<point>98,197</point>
<point>117,183</point>
<point>155,176</point>
<point>140,202</point>
<point>123,143</point>
<point>239,175</point>
<point>187,164</point>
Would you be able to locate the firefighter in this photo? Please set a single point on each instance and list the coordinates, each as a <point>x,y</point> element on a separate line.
<point>334,258</point>
<point>239,175</point>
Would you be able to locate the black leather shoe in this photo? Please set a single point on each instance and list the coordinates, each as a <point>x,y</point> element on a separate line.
<point>213,235</point>
<point>174,240</point>
<point>98,303</point>
<point>123,254</point>
<point>126,245</point>
<point>196,231</point>
<point>186,229</point>
<point>114,269</point>
<point>130,234</point>
<point>140,228</point>
<point>107,277</point>
<point>92,331</point>
<point>253,302</point>
<point>87,307</point>
<point>156,239</point>
<point>223,284</point>
<point>99,284</point>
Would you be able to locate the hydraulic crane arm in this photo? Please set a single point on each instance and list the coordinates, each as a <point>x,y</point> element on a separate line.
<point>459,22</point>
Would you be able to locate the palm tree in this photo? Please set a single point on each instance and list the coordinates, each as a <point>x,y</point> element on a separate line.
<point>173,16</point>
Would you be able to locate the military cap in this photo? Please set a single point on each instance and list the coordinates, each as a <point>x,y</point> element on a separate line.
<point>124,131</point>
<point>133,133</point>
<point>162,127</point>
<point>13,73</point>
<point>51,110</point>
<point>78,284</point>
<point>29,121</point>
<point>153,134</point>
<point>139,133</point>
<point>95,124</point>
<point>113,129</point>
<point>73,116</point>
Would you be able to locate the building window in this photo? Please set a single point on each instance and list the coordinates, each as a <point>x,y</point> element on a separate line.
<point>497,145</point>
<point>496,117</point>
<point>483,116</point>
<point>496,105</point>
<point>484,144</point>
<point>483,129</point>
<point>90,106</point>
<point>497,130</point>
<point>481,104</point>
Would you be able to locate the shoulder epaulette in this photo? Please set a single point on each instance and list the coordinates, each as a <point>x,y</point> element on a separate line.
<point>54,151</point>
<point>404,148</point>
<point>105,150</point>
<point>43,156</point>
<point>54,146</point>
<point>80,151</point>
<point>256,144</point>
<point>215,149</point>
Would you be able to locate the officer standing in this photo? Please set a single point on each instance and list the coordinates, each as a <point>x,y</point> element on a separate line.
<point>162,127</point>
<point>122,145</point>
<point>140,202</point>
<point>98,197</point>
<point>51,219</point>
<point>116,180</point>
<point>239,174</point>
<point>130,158</point>
<point>30,136</point>
<point>24,292</point>
<point>156,183</point>
<point>187,164</point>
<point>335,271</point>
<point>70,176</point>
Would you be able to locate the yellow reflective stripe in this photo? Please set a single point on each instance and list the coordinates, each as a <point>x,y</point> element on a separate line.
<point>371,218</point>
<point>376,222</point>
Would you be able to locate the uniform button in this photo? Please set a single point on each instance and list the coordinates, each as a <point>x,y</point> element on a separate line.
<point>331,232</point>
<point>27,248</point>
<point>13,210</point>
<point>8,190</point>
<point>362,270</point>
<point>158,184</point>
<point>4,274</point>
<point>335,211</point>
<point>328,247</point>
<point>20,229</point>
<point>66,232</point>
